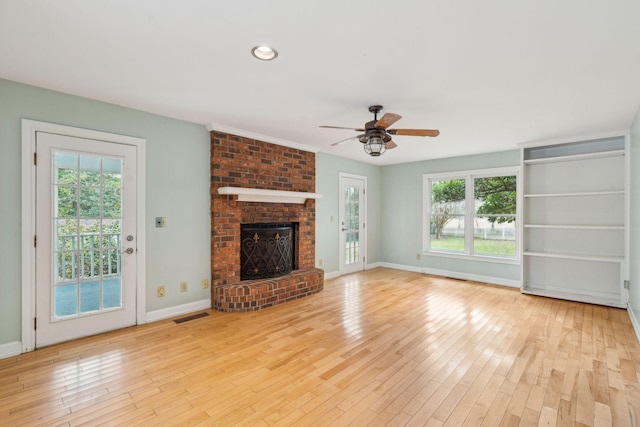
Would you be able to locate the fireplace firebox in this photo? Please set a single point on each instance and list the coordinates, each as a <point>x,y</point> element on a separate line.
<point>267,250</point>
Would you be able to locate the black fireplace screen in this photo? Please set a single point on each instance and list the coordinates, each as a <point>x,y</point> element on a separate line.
<point>266,250</point>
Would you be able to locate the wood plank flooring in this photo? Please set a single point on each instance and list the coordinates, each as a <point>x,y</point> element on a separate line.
<point>378,348</point>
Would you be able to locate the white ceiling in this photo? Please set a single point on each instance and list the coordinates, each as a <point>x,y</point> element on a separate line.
<point>489,74</point>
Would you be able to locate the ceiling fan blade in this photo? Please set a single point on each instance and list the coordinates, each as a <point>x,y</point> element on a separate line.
<point>387,120</point>
<point>390,145</point>
<point>345,140</point>
<point>340,127</point>
<point>414,132</point>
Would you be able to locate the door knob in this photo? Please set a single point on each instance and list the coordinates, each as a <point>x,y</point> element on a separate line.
<point>129,251</point>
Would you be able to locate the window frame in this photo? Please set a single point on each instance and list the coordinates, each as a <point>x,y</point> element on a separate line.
<point>469,177</point>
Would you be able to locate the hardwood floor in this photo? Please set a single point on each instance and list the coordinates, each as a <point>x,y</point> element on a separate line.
<point>382,347</point>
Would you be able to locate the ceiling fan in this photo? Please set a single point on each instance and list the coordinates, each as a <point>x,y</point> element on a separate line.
<point>376,137</point>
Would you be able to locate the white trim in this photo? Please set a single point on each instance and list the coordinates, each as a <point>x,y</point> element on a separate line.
<point>455,275</point>
<point>473,277</point>
<point>469,214</point>
<point>372,265</point>
<point>634,322</point>
<point>570,139</point>
<point>363,217</point>
<point>10,349</point>
<point>331,275</point>
<point>476,257</point>
<point>28,232</point>
<point>626,266</point>
<point>402,267</point>
<point>574,157</point>
<point>585,297</point>
<point>268,196</point>
<point>334,274</point>
<point>260,137</point>
<point>141,236</point>
<point>177,310</point>
<point>29,129</point>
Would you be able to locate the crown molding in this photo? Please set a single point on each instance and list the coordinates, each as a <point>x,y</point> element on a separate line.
<point>265,138</point>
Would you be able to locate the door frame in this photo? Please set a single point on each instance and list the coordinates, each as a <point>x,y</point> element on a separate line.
<point>29,129</point>
<point>363,213</point>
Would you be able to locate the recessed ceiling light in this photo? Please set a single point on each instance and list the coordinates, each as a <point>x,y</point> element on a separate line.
<point>264,53</point>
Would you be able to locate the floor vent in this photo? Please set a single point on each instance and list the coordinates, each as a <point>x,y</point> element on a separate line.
<point>195,316</point>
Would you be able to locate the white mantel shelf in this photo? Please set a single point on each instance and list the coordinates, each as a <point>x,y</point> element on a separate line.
<point>268,196</point>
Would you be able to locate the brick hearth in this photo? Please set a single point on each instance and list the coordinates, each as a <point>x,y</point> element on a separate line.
<point>244,162</point>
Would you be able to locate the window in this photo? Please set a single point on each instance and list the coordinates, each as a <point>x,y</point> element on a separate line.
<point>472,213</point>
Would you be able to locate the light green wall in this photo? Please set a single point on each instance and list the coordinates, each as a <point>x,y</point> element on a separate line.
<point>401,214</point>
<point>328,168</point>
<point>177,188</point>
<point>634,220</point>
<point>394,209</point>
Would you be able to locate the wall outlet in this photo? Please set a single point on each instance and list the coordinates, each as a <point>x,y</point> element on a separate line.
<point>205,284</point>
<point>184,286</point>
<point>161,291</point>
<point>418,255</point>
<point>320,262</point>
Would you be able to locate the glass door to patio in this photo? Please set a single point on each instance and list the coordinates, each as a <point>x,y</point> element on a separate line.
<point>86,244</point>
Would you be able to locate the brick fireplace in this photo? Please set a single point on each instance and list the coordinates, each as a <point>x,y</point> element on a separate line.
<point>249,163</point>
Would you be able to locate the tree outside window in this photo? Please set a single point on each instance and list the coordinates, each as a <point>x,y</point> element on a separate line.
<point>447,207</point>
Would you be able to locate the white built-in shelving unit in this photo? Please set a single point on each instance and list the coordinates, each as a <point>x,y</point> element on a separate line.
<point>573,213</point>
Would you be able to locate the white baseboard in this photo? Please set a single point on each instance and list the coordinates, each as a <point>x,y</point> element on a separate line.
<point>165,313</point>
<point>10,349</point>
<point>331,275</point>
<point>334,274</point>
<point>435,272</point>
<point>455,275</point>
<point>634,322</point>
<point>400,267</point>
<point>473,277</point>
<point>373,265</point>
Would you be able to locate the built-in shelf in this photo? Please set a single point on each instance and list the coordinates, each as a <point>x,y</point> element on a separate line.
<point>576,227</point>
<point>574,157</point>
<point>600,299</point>
<point>268,196</point>
<point>574,220</point>
<point>575,256</point>
<point>579,194</point>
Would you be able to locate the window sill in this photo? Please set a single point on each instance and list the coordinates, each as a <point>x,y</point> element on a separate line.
<point>478,258</point>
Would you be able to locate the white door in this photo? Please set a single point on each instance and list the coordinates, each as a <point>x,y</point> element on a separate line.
<point>352,214</point>
<point>86,237</point>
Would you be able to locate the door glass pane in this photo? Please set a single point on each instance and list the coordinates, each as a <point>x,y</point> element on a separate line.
<point>66,168</point>
<point>89,202</point>
<point>67,201</point>
<point>90,170</point>
<point>112,173</point>
<point>66,298</point>
<point>111,203</point>
<point>87,240</point>
<point>89,297</point>
<point>352,225</point>
<point>112,293</point>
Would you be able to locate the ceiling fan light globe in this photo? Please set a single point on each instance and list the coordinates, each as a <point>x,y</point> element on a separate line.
<point>375,146</point>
